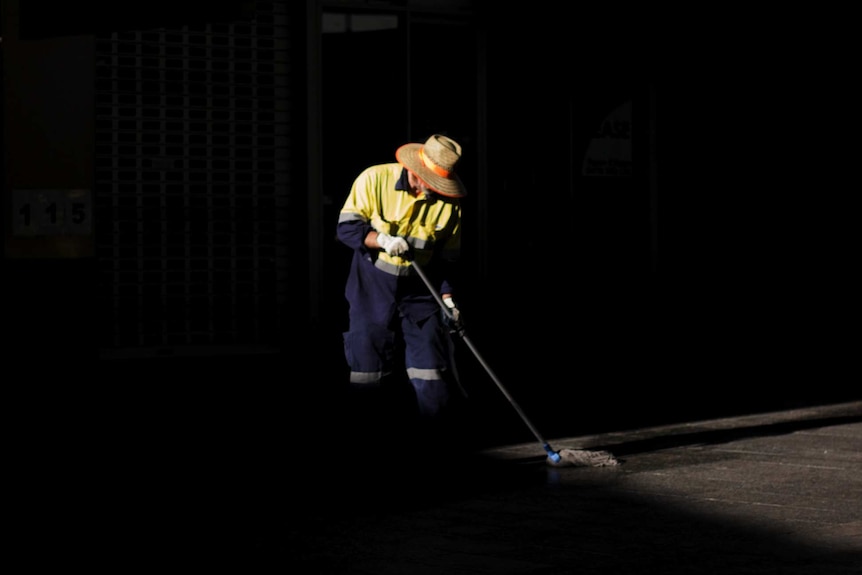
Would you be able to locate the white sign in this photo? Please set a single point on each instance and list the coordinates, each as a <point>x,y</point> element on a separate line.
<point>52,212</point>
<point>610,150</point>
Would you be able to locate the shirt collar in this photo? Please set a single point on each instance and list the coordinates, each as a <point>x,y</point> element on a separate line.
<point>402,183</point>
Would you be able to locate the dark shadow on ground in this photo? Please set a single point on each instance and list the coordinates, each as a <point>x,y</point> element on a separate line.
<point>718,436</point>
<point>209,467</point>
<point>264,509</point>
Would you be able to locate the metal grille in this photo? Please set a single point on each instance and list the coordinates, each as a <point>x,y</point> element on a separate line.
<point>192,185</point>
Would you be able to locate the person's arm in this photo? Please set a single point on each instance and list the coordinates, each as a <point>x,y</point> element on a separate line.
<point>353,231</point>
<point>356,219</point>
<point>357,233</point>
<point>371,241</point>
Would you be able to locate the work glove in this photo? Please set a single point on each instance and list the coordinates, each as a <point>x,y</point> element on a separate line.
<point>392,245</point>
<point>452,319</point>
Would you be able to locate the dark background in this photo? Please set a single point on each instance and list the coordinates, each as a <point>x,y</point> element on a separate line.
<point>718,279</point>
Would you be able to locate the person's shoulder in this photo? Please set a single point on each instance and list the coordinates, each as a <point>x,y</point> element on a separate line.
<point>393,167</point>
<point>378,171</point>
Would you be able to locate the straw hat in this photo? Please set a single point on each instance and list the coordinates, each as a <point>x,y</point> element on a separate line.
<point>435,162</point>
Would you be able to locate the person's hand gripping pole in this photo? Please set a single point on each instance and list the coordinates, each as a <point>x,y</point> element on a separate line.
<point>392,245</point>
<point>449,309</point>
<point>452,316</point>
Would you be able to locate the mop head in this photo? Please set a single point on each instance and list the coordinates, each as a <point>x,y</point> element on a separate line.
<point>583,458</point>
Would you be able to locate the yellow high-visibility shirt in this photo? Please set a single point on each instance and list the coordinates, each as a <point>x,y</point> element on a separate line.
<point>430,224</point>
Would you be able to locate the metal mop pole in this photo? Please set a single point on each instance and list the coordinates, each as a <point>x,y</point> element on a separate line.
<point>553,455</point>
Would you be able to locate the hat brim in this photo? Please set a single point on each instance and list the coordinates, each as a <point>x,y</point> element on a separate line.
<point>408,156</point>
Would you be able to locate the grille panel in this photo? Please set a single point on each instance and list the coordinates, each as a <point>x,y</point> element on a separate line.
<point>192,185</point>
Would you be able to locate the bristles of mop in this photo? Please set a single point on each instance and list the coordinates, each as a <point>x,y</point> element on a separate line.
<point>583,458</point>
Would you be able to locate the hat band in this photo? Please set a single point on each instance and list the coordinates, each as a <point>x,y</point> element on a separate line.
<point>434,167</point>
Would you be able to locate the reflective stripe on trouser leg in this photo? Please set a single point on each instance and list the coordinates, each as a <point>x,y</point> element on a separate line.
<point>432,393</point>
<point>426,359</point>
<point>368,350</point>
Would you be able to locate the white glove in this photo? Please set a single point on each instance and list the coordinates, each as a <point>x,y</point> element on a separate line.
<point>453,318</point>
<point>392,245</point>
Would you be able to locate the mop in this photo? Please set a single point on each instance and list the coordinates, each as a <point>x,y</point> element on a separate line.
<point>558,458</point>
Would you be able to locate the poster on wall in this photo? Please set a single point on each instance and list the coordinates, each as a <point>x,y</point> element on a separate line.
<point>610,150</point>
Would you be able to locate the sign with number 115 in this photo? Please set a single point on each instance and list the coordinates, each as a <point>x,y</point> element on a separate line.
<point>52,212</point>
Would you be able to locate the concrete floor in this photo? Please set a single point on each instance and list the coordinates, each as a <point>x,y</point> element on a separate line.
<point>775,492</point>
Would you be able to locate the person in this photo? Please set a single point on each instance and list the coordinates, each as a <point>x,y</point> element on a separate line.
<point>397,214</point>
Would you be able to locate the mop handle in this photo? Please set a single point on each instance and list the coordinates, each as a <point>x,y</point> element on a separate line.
<point>553,455</point>
<point>505,392</point>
